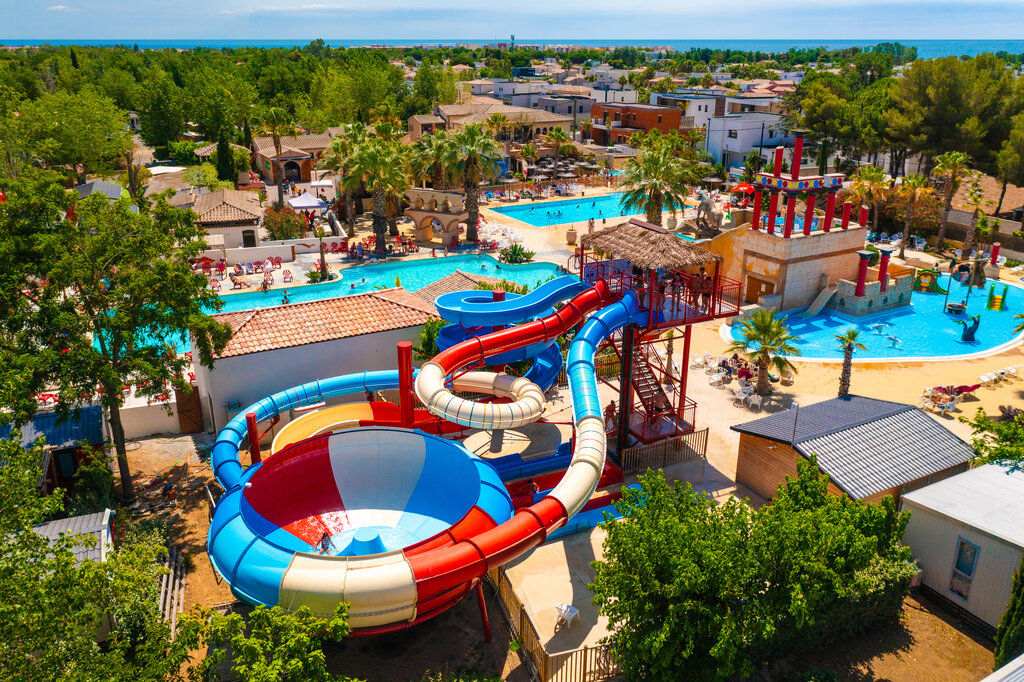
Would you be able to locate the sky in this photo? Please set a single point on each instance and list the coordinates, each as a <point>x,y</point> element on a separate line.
<point>537,20</point>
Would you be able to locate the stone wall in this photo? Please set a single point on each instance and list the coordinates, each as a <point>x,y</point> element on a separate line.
<point>874,299</point>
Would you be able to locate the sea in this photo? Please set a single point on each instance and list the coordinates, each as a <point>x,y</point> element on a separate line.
<point>926,49</point>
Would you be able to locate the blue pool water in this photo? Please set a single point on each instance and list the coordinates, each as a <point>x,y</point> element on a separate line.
<point>414,275</point>
<point>567,211</point>
<point>924,330</point>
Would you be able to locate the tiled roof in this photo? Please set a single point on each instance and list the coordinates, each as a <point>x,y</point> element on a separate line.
<point>208,149</point>
<point>227,206</point>
<point>329,319</point>
<point>427,118</point>
<point>457,281</point>
<point>480,112</point>
<point>865,445</point>
<point>306,143</point>
<point>97,525</point>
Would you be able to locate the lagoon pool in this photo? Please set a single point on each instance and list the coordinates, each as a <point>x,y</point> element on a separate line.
<point>923,329</point>
<point>359,279</point>
<point>566,211</point>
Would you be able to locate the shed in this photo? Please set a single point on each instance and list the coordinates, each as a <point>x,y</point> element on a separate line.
<point>97,525</point>
<point>231,213</point>
<point>869,448</point>
<point>63,438</point>
<point>967,534</point>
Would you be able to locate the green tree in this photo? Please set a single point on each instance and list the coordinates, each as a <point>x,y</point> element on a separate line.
<point>951,168</point>
<point>338,159</point>
<point>84,132</point>
<point>478,160</point>
<point>1010,633</point>
<point>110,297</point>
<point>427,346</point>
<point>914,189</point>
<point>998,440</point>
<point>225,160</point>
<point>849,343</point>
<point>283,223</point>
<point>557,138</point>
<point>277,123</point>
<point>697,590</point>
<point>1010,160</point>
<point>766,340</point>
<point>434,157</point>
<point>656,180</point>
<point>829,118</point>
<point>162,112</point>
<point>976,199</point>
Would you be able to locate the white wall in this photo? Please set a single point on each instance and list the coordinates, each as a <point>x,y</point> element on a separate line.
<point>933,542</point>
<point>248,378</point>
<point>614,96</point>
<point>148,420</point>
<point>748,126</point>
<point>286,250</point>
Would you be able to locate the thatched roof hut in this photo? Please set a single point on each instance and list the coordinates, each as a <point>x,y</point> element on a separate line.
<point>647,245</point>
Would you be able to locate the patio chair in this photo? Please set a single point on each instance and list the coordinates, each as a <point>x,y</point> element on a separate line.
<point>250,269</point>
<point>277,261</point>
<point>259,266</point>
<point>215,284</point>
<point>754,401</point>
<point>698,362</point>
<point>740,396</point>
<point>1001,261</point>
<point>268,277</point>
<point>567,613</point>
<point>287,274</point>
<point>238,269</point>
<point>787,378</point>
<point>717,380</point>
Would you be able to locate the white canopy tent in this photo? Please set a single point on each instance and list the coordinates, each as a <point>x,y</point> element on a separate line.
<point>306,201</point>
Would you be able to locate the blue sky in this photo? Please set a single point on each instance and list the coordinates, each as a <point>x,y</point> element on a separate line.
<point>528,19</point>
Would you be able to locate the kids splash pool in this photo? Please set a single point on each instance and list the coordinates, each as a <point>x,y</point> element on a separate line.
<point>923,331</point>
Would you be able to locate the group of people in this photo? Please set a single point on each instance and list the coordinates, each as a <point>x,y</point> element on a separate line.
<point>739,367</point>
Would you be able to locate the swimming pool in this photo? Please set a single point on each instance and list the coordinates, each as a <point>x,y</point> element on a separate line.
<point>359,279</point>
<point>566,211</point>
<point>923,329</point>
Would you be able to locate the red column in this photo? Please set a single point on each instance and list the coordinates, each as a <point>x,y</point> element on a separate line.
<point>862,275</point>
<point>995,253</point>
<point>684,369</point>
<point>254,437</point>
<point>809,216</point>
<point>863,216</point>
<point>482,603</point>
<point>755,221</point>
<point>777,169</point>
<point>847,207</point>
<point>883,267</point>
<point>830,211</point>
<point>790,216</point>
<point>798,153</point>
<point>405,395</point>
<point>773,209</point>
<point>655,301</point>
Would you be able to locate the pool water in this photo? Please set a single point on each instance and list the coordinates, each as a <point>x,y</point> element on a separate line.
<point>413,276</point>
<point>923,329</point>
<point>566,211</point>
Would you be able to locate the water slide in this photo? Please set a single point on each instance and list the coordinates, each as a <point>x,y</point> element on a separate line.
<point>411,521</point>
<point>824,296</point>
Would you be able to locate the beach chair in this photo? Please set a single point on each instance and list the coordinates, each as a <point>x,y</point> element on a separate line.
<point>335,247</point>
<point>250,269</point>
<point>698,362</point>
<point>717,380</point>
<point>787,378</point>
<point>206,267</point>
<point>236,283</point>
<point>287,274</point>
<point>754,401</point>
<point>268,277</point>
<point>277,262</point>
<point>237,270</point>
<point>567,613</point>
<point>740,396</point>
<point>258,267</point>
<point>215,284</point>
<point>1001,261</point>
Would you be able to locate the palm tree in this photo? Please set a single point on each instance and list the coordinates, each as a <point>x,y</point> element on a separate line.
<point>951,168</point>
<point>915,188</point>
<point>381,167</point>
<point>586,127</point>
<point>976,198</point>
<point>277,124</point>
<point>497,124</point>
<point>765,341</point>
<point>558,137</point>
<point>849,343</point>
<point>478,160</point>
<point>529,153</point>
<point>435,156</point>
<point>338,159</point>
<point>869,186</point>
<point>654,181</point>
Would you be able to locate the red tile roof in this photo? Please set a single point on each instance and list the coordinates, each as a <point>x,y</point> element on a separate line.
<point>329,319</point>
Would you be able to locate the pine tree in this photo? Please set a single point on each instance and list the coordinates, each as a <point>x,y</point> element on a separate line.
<point>225,160</point>
<point>1010,635</point>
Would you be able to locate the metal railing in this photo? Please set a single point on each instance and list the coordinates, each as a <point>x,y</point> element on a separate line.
<point>689,447</point>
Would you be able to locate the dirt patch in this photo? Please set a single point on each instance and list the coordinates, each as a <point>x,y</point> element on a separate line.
<point>929,645</point>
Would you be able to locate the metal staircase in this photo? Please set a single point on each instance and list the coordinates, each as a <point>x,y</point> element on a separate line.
<point>648,389</point>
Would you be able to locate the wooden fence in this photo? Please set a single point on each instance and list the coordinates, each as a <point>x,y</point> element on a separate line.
<point>589,664</point>
<point>689,447</point>
<point>172,588</point>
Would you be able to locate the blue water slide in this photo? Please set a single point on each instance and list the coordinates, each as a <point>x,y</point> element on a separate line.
<point>479,309</point>
<point>546,367</point>
<point>579,365</point>
<point>452,334</point>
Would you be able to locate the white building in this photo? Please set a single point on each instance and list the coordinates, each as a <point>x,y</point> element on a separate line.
<point>967,534</point>
<point>699,107</point>
<point>731,137</point>
<point>275,348</point>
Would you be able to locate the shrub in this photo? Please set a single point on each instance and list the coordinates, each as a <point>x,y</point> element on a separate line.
<point>284,223</point>
<point>516,254</point>
<point>183,152</point>
<point>510,287</point>
<point>205,175</point>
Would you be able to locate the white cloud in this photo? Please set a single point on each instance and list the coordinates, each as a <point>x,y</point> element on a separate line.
<point>60,8</point>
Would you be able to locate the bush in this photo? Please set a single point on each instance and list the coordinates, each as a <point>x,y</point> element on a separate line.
<point>510,287</point>
<point>284,224</point>
<point>876,255</point>
<point>184,153</point>
<point>206,176</point>
<point>516,254</point>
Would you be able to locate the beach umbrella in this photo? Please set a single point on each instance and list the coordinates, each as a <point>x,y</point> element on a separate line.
<point>744,187</point>
<point>566,175</point>
<point>538,177</point>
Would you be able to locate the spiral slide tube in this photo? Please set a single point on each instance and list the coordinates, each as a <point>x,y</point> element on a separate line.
<point>250,545</point>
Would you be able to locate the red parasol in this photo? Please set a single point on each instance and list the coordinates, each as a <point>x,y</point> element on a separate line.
<point>744,187</point>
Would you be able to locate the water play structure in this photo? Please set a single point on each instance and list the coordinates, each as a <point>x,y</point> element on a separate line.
<point>368,503</point>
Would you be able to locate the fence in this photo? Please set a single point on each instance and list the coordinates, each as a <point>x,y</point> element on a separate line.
<point>172,588</point>
<point>589,664</point>
<point>689,447</point>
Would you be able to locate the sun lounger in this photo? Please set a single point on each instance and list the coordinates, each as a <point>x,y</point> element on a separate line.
<point>268,277</point>
<point>259,266</point>
<point>250,269</point>
<point>717,379</point>
<point>277,261</point>
<point>287,274</point>
<point>215,284</point>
